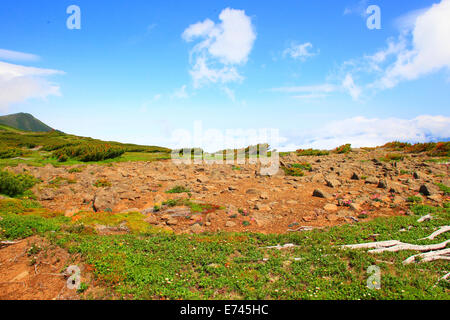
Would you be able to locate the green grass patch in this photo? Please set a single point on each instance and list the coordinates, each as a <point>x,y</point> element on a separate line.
<point>178,189</point>
<point>149,265</point>
<point>304,166</point>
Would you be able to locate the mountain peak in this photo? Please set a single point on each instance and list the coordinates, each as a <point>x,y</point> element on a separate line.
<point>24,121</point>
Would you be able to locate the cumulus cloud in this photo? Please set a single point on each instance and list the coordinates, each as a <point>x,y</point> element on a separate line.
<point>300,51</point>
<point>20,83</point>
<point>366,132</point>
<point>419,49</point>
<point>430,50</point>
<point>222,47</point>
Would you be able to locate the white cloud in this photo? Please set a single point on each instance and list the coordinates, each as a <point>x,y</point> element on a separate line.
<point>421,48</point>
<point>202,74</point>
<point>300,51</point>
<point>20,83</point>
<point>17,56</point>
<point>365,132</point>
<point>222,48</point>
<point>349,85</point>
<point>309,92</point>
<point>181,93</point>
<point>430,50</point>
<point>407,21</point>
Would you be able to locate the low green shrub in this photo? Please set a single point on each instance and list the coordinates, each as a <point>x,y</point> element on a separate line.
<point>346,148</point>
<point>88,152</point>
<point>15,185</point>
<point>178,189</point>
<point>293,172</point>
<point>304,166</point>
<point>312,152</point>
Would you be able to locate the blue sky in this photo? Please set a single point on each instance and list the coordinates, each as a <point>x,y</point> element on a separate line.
<point>141,71</point>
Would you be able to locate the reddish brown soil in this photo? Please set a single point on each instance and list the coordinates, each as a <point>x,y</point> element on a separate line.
<point>27,273</point>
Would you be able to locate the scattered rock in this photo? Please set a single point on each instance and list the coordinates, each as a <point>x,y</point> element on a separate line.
<point>372,180</point>
<point>382,184</point>
<point>428,189</point>
<point>355,206</point>
<point>197,228</point>
<point>322,194</point>
<point>252,191</point>
<point>151,220</point>
<point>262,207</point>
<point>47,194</point>
<point>172,222</point>
<point>230,224</point>
<point>108,230</point>
<point>333,183</point>
<point>330,207</point>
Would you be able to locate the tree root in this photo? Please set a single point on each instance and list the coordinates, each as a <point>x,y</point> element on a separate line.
<point>443,278</point>
<point>303,228</point>
<point>437,233</point>
<point>7,243</point>
<point>425,218</point>
<point>372,245</point>
<point>429,256</point>
<point>278,247</point>
<point>406,246</point>
<point>433,251</point>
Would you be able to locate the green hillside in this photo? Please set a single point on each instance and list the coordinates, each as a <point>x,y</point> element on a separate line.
<point>25,122</point>
<point>40,148</point>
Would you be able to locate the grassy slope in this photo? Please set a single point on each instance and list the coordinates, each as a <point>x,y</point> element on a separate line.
<point>22,140</point>
<point>151,265</point>
<point>25,122</point>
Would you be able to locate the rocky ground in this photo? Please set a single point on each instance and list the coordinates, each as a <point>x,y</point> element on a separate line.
<point>340,188</point>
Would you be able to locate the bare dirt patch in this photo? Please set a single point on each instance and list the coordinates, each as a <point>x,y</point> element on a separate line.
<point>32,269</point>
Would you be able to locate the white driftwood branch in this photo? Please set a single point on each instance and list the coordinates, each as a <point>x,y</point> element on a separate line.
<point>301,229</point>
<point>429,256</point>
<point>425,218</point>
<point>372,245</point>
<point>437,233</point>
<point>7,243</point>
<point>407,246</point>
<point>443,278</point>
<point>286,246</point>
